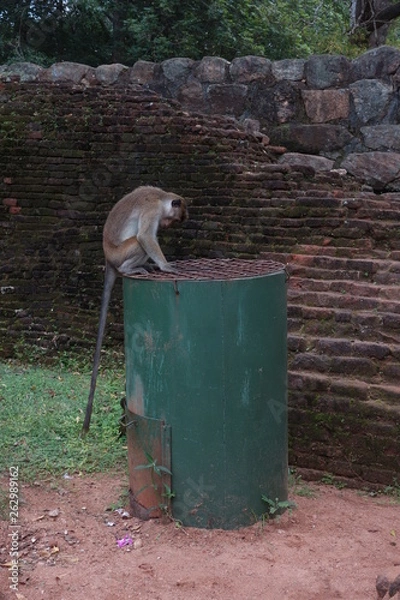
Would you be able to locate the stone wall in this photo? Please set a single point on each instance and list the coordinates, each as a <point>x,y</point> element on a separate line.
<point>345,110</point>
<point>69,151</point>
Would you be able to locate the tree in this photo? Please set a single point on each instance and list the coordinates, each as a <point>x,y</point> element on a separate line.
<point>104,31</point>
<point>27,26</point>
<point>46,31</point>
<point>375,17</point>
<point>101,31</point>
<point>228,28</point>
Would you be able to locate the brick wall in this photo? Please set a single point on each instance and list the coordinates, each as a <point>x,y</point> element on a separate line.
<point>68,152</point>
<point>66,157</point>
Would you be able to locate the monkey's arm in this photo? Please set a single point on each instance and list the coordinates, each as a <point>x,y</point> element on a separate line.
<point>148,241</point>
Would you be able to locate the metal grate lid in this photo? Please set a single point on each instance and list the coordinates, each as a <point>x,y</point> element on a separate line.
<point>214,269</point>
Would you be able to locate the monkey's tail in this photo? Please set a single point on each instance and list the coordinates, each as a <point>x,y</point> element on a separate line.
<point>109,280</point>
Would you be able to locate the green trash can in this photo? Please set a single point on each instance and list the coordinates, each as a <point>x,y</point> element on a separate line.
<point>206,391</point>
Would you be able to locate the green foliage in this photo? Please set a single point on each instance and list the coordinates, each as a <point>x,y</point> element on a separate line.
<point>103,31</point>
<point>329,479</point>
<point>316,27</point>
<point>41,414</point>
<point>276,507</point>
<point>393,490</point>
<point>158,485</point>
<point>298,486</point>
<point>155,468</point>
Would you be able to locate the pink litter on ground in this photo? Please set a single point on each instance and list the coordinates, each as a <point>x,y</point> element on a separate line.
<point>125,541</point>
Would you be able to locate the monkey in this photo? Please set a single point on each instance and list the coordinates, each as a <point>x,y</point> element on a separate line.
<point>129,240</point>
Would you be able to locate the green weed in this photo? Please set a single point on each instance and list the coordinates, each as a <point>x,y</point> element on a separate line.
<point>160,487</point>
<point>329,479</point>
<point>298,486</point>
<point>393,490</point>
<point>276,507</point>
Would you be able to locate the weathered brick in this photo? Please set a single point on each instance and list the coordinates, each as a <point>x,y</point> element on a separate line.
<point>341,244</point>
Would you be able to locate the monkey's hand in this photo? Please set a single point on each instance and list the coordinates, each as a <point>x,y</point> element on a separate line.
<point>168,268</point>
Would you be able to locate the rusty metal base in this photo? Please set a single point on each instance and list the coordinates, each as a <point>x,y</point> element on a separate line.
<point>149,461</point>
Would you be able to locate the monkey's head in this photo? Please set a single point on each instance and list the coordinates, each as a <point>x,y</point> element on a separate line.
<point>176,212</point>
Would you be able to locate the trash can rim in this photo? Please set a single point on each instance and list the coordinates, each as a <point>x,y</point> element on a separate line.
<point>213,269</point>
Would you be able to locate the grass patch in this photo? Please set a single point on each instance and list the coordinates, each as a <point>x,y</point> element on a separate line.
<point>393,490</point>
<point>4,504</point>
<point>300,487</point>
<point>41,416</point>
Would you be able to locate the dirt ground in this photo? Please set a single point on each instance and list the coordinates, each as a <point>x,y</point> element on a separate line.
<point>333,545</point>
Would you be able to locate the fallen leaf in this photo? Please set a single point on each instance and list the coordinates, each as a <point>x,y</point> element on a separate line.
<point>50,552</point>
<point>72,559</point>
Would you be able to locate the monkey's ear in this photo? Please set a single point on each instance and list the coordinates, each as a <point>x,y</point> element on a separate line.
<point>176,203</point>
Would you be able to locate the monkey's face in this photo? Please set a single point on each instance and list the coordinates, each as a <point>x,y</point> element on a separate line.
<point>177,214</point>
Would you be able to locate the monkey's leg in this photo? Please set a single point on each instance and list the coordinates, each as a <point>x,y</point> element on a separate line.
<point>129,257</point>
<point>135,270</point>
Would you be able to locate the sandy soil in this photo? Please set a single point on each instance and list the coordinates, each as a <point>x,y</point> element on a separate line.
<point>333,545</point>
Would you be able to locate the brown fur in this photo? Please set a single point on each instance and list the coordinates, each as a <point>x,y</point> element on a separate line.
<point>129,240</point>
